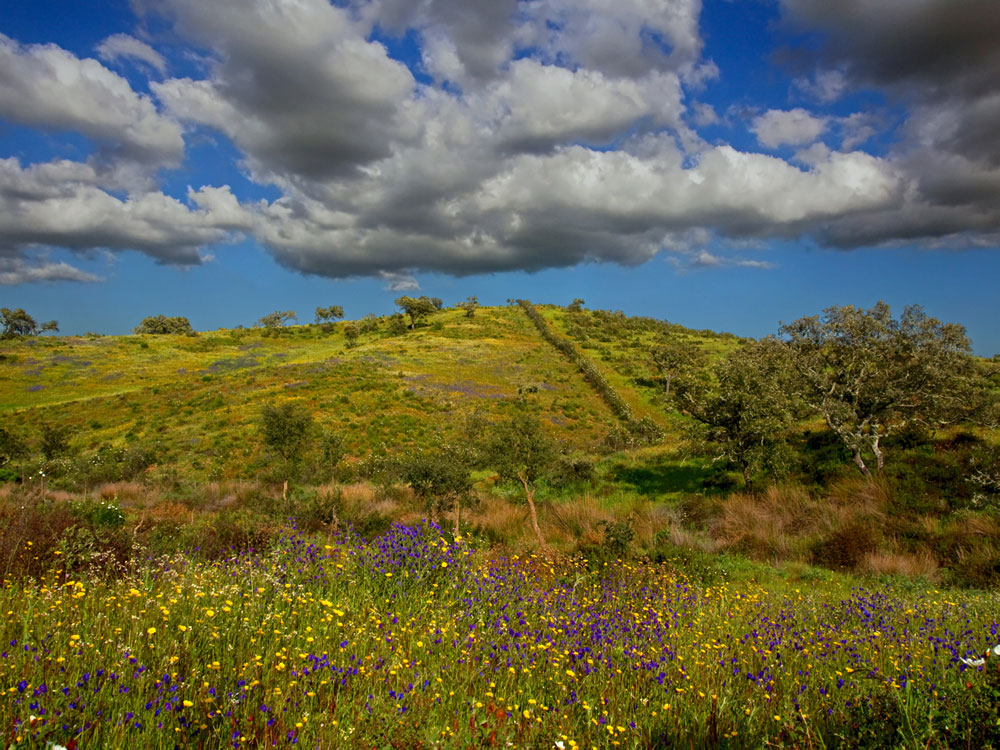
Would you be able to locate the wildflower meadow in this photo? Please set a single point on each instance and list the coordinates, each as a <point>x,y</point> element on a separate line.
<point>420,639</point>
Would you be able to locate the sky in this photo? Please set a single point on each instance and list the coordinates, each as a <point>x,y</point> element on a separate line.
<point>720,164</point>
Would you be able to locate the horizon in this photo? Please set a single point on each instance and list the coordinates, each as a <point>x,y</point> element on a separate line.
<point>724,166</point>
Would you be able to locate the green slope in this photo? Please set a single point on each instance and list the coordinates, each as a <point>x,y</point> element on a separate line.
<point>197,398</point>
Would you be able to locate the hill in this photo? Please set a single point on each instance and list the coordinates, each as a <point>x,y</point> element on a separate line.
<point>166,425</point>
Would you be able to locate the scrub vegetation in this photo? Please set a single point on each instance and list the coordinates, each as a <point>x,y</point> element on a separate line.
<point>528,526</point>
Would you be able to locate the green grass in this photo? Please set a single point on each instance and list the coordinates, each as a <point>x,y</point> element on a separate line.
<point>420,640</point>
<point>198,398</point>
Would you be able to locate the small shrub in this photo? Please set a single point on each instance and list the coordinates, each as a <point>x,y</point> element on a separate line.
<point>847,547</point>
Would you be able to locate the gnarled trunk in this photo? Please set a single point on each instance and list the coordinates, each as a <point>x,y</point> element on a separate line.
<point>861,463</point>
<point>529,494</point>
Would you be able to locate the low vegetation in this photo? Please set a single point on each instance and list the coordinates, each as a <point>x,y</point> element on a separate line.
<point>444,530</point>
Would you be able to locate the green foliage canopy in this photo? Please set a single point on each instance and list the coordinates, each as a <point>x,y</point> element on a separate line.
<point>519,449</point>
<point>277,319</point>
<point>743,407</point>
<point>326,314</point>
<point>17,323</point>
<point>870,375</point>
<point>416,307</point>
<point>286,429</point>
<point>161,324</point>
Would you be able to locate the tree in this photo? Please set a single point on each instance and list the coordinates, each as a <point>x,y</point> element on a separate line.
<point>869,375</point>
<point>352,333</point>
<point>286,429</point>
<point>437,302</point>
<point>17,323</point>
<point>440,478</point>
<point>743,409</point>
<point>673,358</point>
<point>12,446</point>
<point>368,324</point>
<point>161,324</point>
<point>519,449</point>
<point>470,305</point>
<point>415,308</point>
<point>576,305</point>
<point>397,325</point>
<point>329,314</point>
<point>55,440</point>
<point>277,319</point>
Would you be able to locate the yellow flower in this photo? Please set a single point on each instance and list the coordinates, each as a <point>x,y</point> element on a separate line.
<point>188,704</point>
<point>151,631</point>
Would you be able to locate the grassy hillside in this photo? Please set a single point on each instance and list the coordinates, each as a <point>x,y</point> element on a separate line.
<point>167,430</point>
<point>198,398</point>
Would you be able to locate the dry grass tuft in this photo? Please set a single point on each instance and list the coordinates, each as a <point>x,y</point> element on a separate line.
<point>132,494</point>
<point>921,563</point>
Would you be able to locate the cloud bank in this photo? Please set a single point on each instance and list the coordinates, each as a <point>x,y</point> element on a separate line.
<point>523,135</point>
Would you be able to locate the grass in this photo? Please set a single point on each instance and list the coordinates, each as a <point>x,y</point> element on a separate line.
<point>198,398</point>
<point>154,593</point>
<point>418,639</point>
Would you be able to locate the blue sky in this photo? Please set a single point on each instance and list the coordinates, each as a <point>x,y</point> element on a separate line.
<point>723,165</point>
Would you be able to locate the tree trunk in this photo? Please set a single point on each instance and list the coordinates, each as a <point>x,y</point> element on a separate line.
<point>861,463</point>
<point>666,393</point>
<point>458,511</point>
<point>532,511</point>
<point>747,481</point>
<point>879,458</point>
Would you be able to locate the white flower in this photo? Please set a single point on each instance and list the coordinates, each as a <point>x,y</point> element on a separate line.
<point>973,662</point>
<point>996,650</point>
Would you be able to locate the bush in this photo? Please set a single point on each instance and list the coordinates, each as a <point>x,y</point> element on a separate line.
<point>285,429</point>
<point>55,440</point>
<point>115,464</point>
<point>98,514</point>
<point>397,325</point>
<point>160,324</point>
<point>847,547</point>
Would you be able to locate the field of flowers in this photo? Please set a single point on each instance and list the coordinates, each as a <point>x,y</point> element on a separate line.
<point>420,640</point>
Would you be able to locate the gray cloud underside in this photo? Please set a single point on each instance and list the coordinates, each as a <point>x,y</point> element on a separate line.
<point>586,149</point>
<point>15,271</point>
<point>941,59</point>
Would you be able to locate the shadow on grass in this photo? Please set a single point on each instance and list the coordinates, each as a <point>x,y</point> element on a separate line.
<point>663,476</point>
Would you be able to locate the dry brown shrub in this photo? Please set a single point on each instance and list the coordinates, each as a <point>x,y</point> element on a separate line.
<point>502,520</point>
<point>217,495</point>
<point>678,536</point>
<point>767,526</point>
<point>846,547</point>
<point>976,526</point>
<point>126,494</point>
<point>921,563</point>
<point>169,512</point>
<point>868,496</point>
<point>571,521</point>
<point>358,495</point>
